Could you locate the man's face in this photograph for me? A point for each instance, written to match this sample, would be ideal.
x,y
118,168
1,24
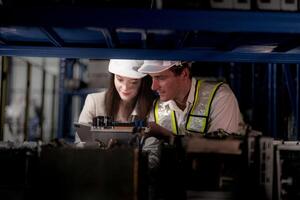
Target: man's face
x,y
166,84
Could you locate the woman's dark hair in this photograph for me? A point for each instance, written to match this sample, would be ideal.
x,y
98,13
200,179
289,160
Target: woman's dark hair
x,y
144,99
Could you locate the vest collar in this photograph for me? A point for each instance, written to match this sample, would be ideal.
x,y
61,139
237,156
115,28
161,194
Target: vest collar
x,y
190,98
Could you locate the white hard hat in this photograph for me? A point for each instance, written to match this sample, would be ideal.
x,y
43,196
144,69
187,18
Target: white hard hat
x,y
127,68
157,66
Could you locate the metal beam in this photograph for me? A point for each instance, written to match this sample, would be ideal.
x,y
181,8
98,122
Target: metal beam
x,y
53,105
27,102
61,106
2,41
52,36
297,101
110,37
64,109
3,92
42,117
287,46
290,86
272,100
235,39
182,40
180,54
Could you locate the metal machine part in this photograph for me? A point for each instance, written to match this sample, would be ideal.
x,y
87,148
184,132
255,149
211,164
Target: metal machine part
x,y
227,168
91,174
61,171
287,165
108,133
253,167
107,122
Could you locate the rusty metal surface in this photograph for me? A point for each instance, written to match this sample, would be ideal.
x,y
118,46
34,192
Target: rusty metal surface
x,y
88,173
203,145
70,173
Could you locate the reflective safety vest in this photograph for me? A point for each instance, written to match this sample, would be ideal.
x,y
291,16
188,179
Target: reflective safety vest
x,y
198,115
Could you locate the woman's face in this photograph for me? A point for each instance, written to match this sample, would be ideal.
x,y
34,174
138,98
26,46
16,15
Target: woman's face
x,y
127,88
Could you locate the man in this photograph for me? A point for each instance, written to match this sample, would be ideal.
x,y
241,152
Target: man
x,y
189,106
185,106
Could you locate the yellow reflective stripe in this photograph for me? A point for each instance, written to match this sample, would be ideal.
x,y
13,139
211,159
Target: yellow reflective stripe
x,y
195,103
211,95
156,117
173,121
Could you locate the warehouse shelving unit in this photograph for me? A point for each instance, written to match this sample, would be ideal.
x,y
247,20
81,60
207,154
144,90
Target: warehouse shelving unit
x,y
222,36
65,120
268,39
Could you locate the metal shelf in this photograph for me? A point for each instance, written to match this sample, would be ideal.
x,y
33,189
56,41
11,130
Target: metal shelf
x,y
202,35
198,35
208,20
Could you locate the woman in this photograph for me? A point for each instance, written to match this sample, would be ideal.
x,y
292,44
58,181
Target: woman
x,y
129,96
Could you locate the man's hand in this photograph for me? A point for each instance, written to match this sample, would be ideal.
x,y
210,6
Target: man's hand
x,y
160,132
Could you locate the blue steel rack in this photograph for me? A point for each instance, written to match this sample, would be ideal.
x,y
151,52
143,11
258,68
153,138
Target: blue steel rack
x,y
198,35
93,33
